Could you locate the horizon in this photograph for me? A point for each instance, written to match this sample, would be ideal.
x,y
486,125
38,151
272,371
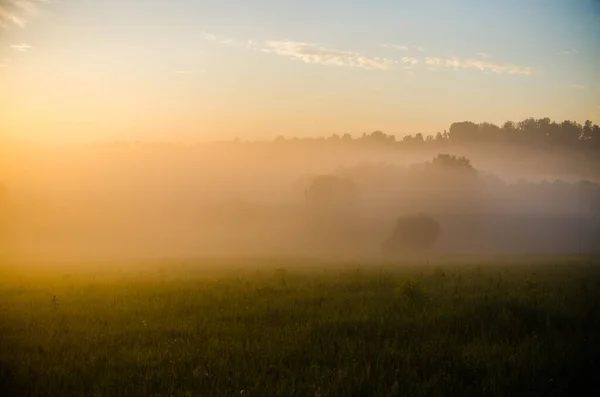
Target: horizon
x,y
398,138
197,71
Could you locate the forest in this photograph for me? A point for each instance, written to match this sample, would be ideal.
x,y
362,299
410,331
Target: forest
x,y
531,132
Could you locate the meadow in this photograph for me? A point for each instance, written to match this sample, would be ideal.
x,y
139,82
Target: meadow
x,y
460,327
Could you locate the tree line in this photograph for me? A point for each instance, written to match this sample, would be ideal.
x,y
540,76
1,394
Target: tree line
x,y
531,132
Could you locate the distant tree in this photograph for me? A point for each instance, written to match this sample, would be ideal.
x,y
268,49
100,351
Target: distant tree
x,y
489,132
378,137
588,129
412,234
450,162
463,132
334,138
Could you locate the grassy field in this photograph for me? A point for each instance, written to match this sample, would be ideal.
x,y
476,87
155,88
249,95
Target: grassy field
x,y
279,328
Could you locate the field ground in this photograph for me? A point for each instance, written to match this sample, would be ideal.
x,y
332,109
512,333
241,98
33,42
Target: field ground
x,y
528,327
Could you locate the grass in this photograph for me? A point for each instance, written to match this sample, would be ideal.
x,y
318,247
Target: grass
x,y
280,329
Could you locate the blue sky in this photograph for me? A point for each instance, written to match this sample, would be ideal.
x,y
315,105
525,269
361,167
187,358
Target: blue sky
x,y
199,69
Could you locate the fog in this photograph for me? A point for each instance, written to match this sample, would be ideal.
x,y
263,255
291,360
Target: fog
x,y
240,199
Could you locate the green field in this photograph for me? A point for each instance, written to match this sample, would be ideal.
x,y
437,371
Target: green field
x,y
526,327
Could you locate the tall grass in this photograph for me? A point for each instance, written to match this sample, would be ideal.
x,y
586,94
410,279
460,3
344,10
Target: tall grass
x,y
443,329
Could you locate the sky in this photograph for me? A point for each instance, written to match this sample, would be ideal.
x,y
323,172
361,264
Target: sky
x,y
76,71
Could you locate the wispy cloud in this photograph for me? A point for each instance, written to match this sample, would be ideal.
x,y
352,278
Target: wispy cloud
x,y
410,61
578,86
571,51
313,53
4,63
316,54
478,64
400,47
17,13
223,40
251,44
208,36
21,47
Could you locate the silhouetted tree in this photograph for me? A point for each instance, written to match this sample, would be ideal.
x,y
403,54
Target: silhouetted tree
x,y
449,162
531,132
463,132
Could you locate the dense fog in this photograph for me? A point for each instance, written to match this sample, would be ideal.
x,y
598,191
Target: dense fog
x,y
291,198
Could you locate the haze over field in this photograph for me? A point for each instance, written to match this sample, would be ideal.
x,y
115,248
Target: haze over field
x,y
299,198
289,95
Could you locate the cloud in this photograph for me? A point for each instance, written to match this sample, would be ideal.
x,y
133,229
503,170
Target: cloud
x,y
208,36
478,64
578,86
399,47
17,13
571,51
4,63
21,47
251,44
410,61
315,54
432,61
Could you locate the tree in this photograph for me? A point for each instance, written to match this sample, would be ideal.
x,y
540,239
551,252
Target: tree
x,y
334,138
489,132
412,234
586,133
378,137
463,132
347,137
449,162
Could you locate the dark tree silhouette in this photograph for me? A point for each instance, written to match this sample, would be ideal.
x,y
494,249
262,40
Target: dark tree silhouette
x,y
449,162
531,132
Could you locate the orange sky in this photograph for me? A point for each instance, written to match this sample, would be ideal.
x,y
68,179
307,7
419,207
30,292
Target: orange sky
x,y
100,71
